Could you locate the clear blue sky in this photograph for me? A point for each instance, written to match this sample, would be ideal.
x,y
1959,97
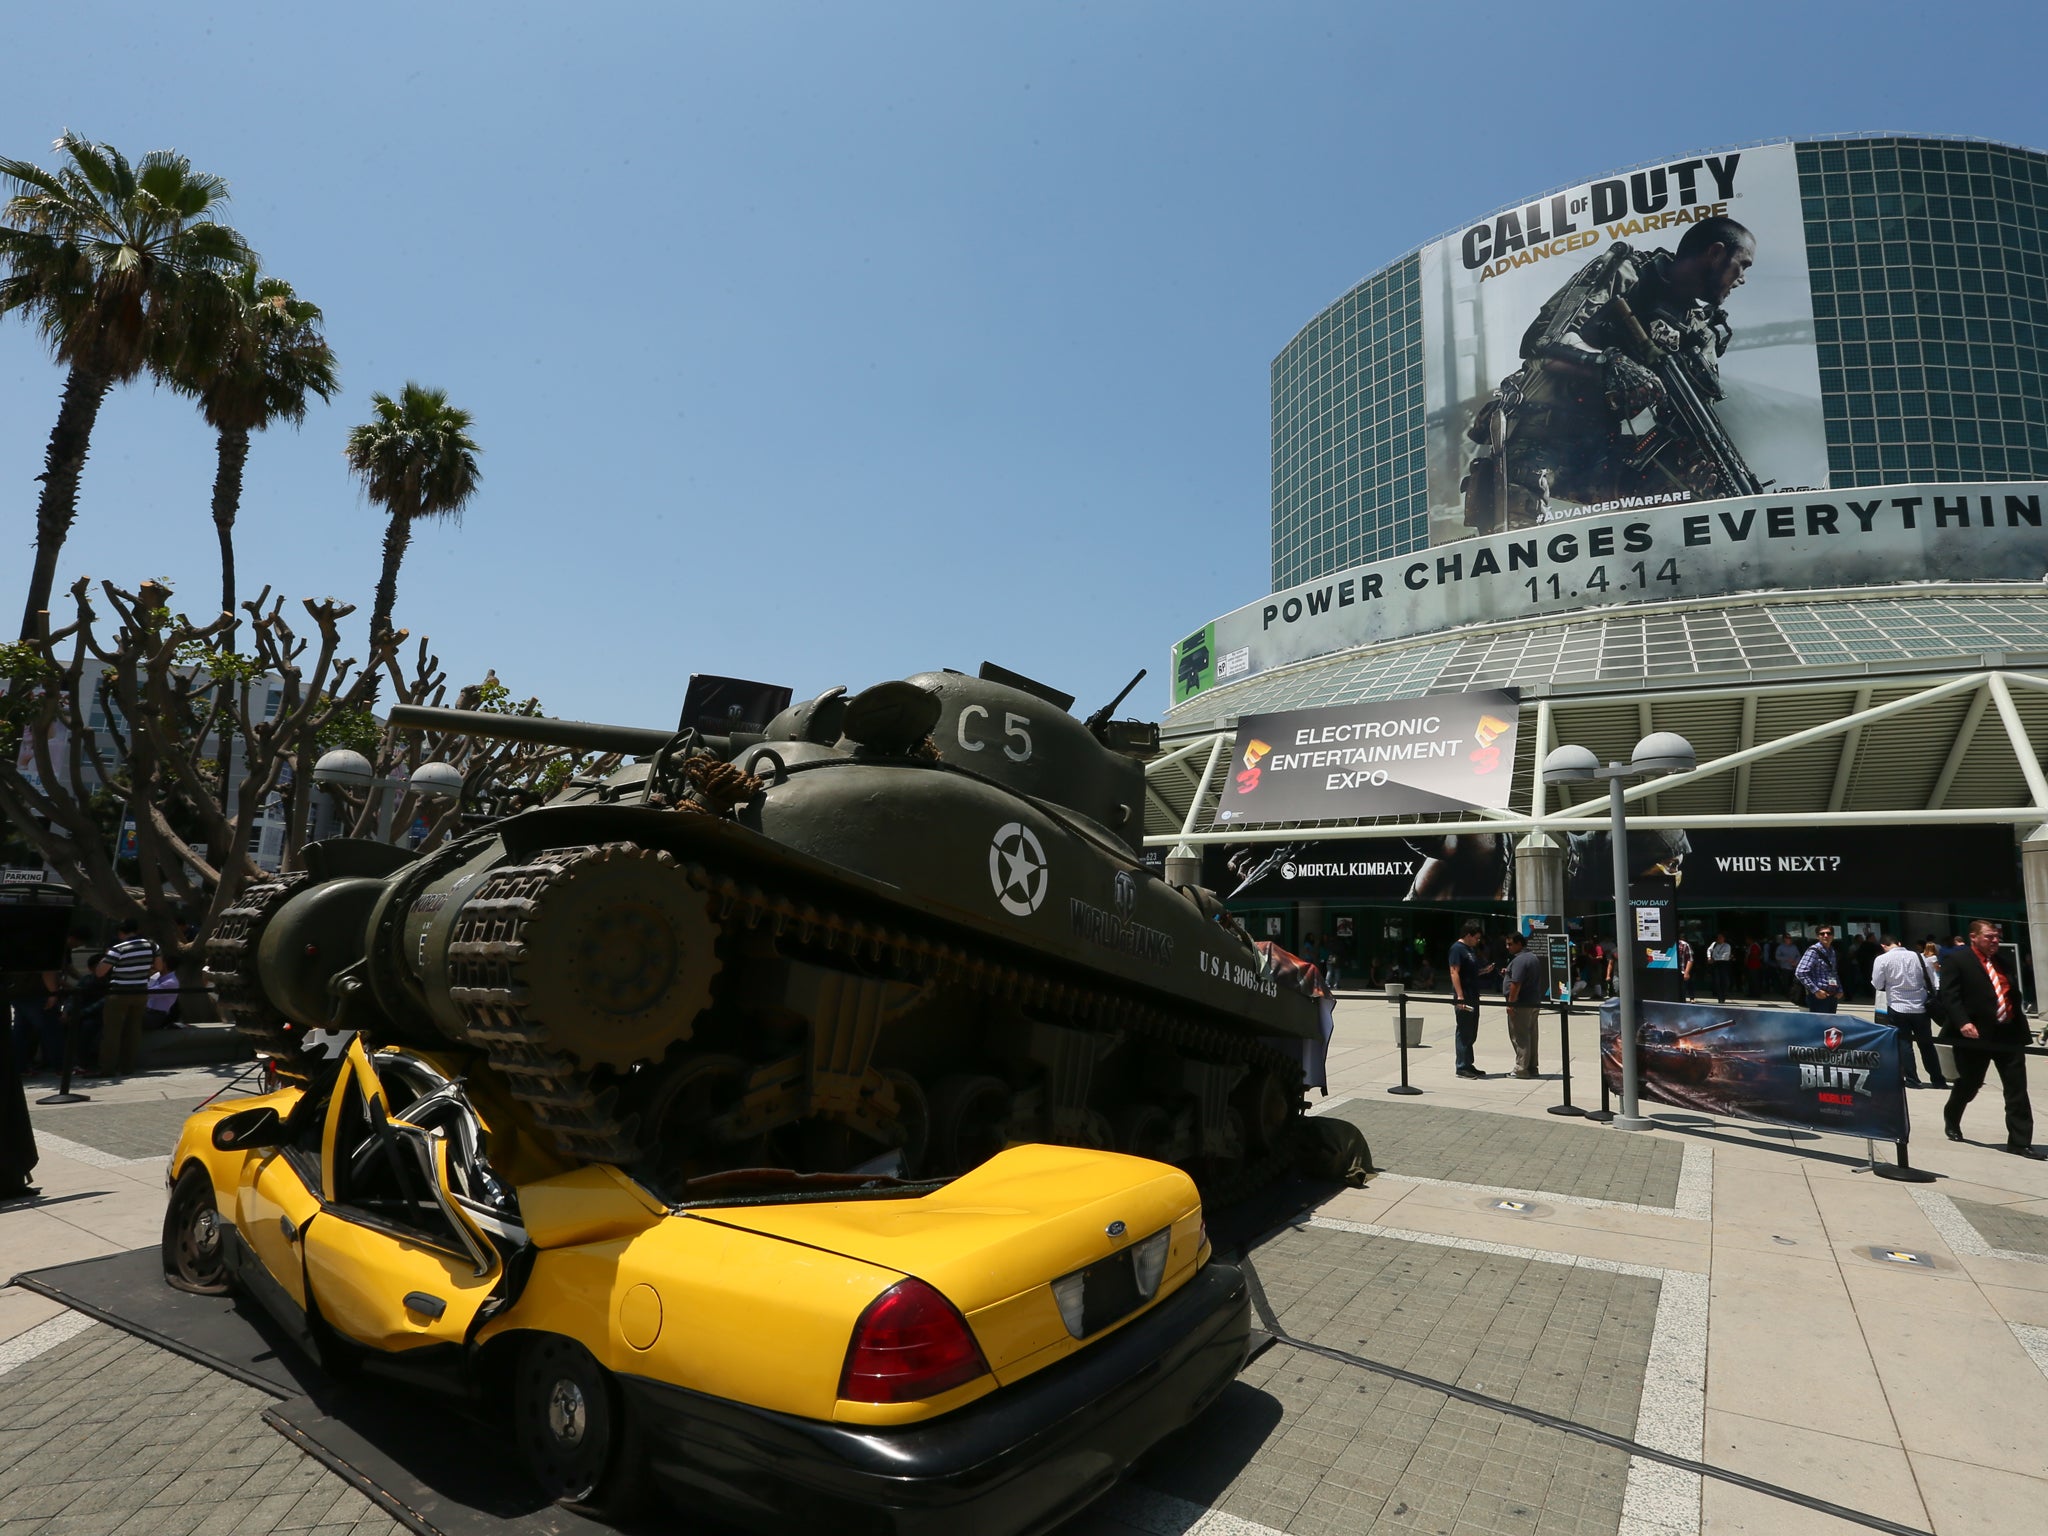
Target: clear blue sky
x,y
824,343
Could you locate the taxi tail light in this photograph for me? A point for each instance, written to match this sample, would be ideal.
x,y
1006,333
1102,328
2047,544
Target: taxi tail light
x,y
1148,1261
1071,1293
910,1344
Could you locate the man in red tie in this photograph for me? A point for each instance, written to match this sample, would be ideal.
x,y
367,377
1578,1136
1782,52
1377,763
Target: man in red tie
x,y
1979,1008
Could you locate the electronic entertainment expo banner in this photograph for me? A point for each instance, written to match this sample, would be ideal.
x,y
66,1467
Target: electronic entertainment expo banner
x,y
1779,541
1815,1071
1696,272
1445,752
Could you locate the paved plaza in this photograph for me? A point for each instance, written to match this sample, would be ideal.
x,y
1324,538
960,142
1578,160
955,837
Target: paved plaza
x,y
1719,1292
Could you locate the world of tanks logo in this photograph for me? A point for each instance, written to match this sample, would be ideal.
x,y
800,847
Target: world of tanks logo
x,y
1839,1074
1018,869
1117,930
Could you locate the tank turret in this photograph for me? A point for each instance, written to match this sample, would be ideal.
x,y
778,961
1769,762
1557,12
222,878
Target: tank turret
x,y
911,921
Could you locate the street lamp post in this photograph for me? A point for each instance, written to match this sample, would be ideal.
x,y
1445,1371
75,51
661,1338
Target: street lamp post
x,y
346,769
1655,755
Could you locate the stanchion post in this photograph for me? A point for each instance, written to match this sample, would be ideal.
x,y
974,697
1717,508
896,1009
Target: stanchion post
x,y
1565,1106
1605,1112
1398,991
64,1095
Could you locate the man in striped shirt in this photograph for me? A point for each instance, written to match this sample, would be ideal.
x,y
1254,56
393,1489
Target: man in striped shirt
x,y
126,967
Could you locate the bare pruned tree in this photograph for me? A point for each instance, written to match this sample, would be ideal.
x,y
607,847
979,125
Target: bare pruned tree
x,y
133,717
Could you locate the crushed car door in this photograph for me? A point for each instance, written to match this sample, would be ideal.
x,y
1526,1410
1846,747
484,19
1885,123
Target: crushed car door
x,y
278,1196
394,1264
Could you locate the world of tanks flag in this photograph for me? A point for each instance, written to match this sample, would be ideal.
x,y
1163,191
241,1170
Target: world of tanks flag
x,y
1444,752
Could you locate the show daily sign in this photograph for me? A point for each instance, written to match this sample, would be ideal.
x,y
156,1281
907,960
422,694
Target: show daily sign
x,y
1776,542
1449,751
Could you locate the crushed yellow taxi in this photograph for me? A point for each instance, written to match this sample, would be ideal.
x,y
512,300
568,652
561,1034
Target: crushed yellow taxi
x,y
984,1354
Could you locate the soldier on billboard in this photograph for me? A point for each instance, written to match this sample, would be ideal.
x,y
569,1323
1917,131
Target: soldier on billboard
x,y
1633,331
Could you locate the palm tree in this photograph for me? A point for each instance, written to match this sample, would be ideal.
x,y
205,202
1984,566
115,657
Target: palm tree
x,y
262,360
102,256
416,460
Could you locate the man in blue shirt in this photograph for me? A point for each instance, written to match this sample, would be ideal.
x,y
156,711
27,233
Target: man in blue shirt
x,y
1465,987
1817,973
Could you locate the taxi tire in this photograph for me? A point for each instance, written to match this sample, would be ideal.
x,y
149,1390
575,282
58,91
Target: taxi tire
x,y
194,1260
577,1435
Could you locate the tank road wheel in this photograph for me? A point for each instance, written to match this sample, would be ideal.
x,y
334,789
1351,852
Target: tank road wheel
x,y
605,954
575,1431
970,1122
1146,1130
193,1260
678,1142
914,1115
1262,1101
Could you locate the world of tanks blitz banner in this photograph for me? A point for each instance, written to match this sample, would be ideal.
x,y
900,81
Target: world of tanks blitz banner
x,y
1774,542
1642,339
1810,1071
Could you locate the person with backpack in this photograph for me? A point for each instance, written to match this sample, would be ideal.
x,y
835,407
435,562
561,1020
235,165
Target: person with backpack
x,y
1907,987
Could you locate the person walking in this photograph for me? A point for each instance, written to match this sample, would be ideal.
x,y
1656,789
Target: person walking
x,y
1752,969
1526,984
1905,988
1721,965
1592,968
126,968
1784,961
1465,968
1979,1004
1817,973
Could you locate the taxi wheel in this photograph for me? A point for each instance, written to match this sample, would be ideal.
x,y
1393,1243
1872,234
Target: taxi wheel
x,y
575,1432
193,1259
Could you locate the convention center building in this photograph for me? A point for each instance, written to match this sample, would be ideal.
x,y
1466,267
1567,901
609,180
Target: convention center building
x,y
1747,445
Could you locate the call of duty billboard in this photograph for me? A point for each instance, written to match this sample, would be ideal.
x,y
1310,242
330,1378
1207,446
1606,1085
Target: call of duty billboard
x,y
1634,341
1446,752
1815,1071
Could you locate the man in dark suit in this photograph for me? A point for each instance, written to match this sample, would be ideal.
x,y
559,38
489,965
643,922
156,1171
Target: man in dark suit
x,y
1979,1007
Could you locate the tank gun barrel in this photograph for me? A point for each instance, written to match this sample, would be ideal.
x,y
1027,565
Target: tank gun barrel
x,y
582,735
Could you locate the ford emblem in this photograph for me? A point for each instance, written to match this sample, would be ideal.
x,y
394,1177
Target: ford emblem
x,y
1116,1229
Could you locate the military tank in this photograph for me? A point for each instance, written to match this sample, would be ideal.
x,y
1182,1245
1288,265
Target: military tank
x,y
910,920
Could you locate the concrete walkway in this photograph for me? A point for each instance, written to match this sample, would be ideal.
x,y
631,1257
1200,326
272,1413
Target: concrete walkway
x,y
1706,1287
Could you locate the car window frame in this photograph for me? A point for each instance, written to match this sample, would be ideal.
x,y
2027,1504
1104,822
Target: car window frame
x,y
359,1073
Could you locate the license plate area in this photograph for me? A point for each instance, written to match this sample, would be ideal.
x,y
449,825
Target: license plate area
x,y
1109,1292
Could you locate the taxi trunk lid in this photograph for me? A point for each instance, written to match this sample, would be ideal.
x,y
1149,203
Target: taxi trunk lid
x,y
1016,1223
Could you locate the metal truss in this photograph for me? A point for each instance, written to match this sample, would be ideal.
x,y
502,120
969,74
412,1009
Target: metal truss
x,y
1916,749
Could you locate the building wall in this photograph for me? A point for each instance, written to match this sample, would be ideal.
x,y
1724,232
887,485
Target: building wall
x,y
1347,431
1927,263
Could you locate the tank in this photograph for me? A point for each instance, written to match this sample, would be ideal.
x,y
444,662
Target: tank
x,y
900,927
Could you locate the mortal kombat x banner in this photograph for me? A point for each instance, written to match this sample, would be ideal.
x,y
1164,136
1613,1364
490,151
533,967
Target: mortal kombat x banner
x,y
1814,1071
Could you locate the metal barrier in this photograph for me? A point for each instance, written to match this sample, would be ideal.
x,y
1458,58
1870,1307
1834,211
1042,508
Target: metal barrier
x,y
1397,993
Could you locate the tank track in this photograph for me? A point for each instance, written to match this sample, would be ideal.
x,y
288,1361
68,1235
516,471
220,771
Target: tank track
x,y
231,965
584,1114
489,937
